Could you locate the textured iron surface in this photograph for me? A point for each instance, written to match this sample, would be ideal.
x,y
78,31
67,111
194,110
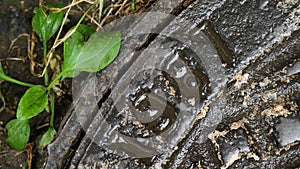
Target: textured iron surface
x,y
243,113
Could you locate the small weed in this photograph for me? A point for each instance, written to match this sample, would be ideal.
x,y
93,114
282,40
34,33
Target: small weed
x,y
84,50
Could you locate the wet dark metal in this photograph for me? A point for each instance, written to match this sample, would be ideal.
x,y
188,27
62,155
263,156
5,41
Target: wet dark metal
x,y
248,93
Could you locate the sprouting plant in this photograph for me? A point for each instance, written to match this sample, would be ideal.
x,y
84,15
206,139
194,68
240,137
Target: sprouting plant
x,y
80,54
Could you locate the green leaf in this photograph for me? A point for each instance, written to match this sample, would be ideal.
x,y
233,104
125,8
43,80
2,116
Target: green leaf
x,y
48,137
32,103
18,132
72,48
99,51
46,23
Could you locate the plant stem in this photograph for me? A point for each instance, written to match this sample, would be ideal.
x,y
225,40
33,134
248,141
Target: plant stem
x,y
19,82
58,42
100,9
46,76
83,16
55,80
132,6
52,102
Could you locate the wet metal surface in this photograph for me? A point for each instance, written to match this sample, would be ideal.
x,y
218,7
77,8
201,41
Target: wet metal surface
x,y
287,131
217,88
